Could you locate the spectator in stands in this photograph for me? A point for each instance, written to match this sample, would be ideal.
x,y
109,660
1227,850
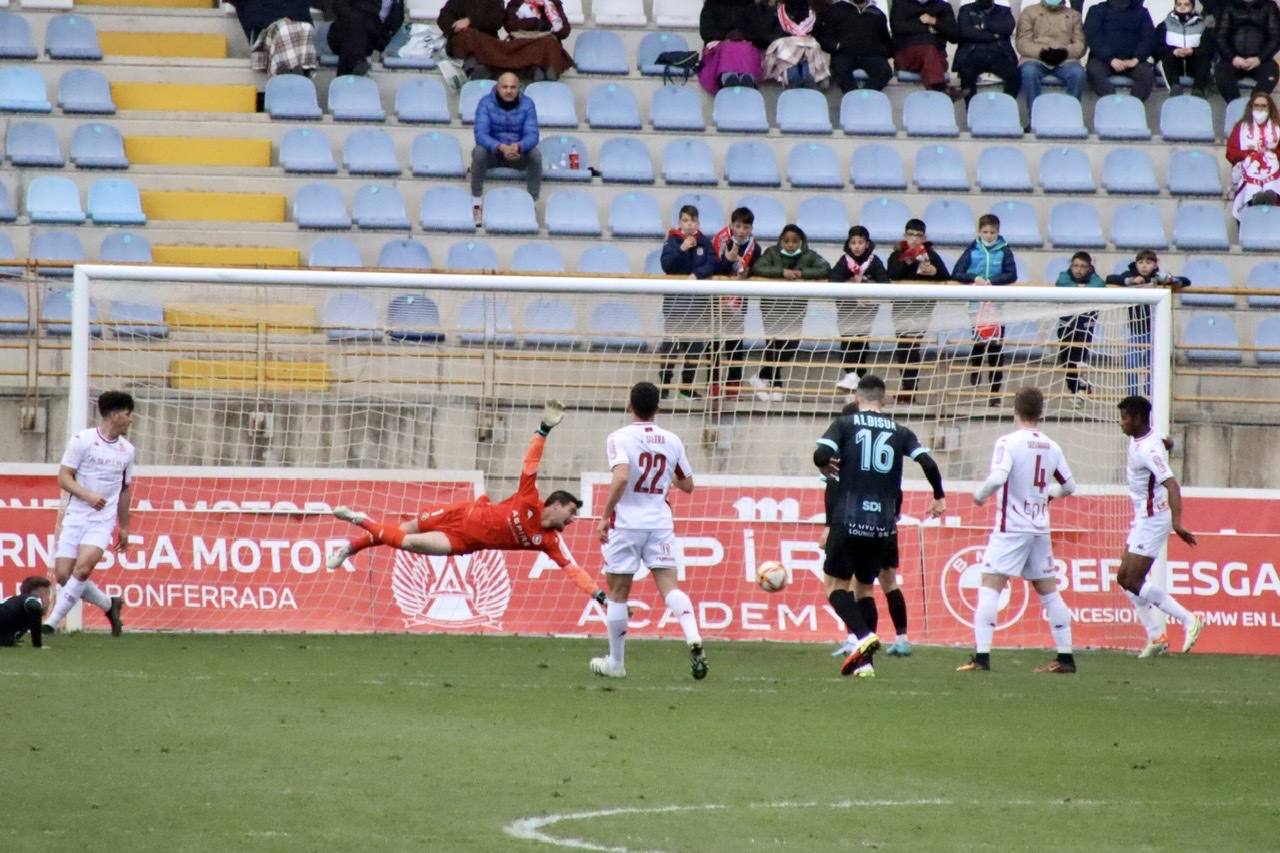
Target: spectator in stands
x,y
734,37
856,34
1050,40
791,260
736,253
1143,272
1184,46
856,265
361,27
1121,40
987,261
1248,35
1253,150
536,32
921,30
1075,331
913,260
471,30
984,46
506,132
280,34
794,59
687,252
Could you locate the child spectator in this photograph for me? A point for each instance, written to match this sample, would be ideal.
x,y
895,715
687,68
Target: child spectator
x,y
913,260
857,264
1075,332
792,260
1185,48
1143,272
736,253
988,260
687,252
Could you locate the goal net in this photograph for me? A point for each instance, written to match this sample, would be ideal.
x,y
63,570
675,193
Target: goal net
x,y
265,399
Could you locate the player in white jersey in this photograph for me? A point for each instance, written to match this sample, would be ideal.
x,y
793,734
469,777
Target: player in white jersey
x,y
1157,511
1028,469
97,474
637,529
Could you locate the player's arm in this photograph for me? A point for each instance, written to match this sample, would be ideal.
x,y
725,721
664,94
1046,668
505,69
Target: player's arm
x,y
122,516
1001,466
1064,482
683,476
551,416
1175,510
618,485
33,612
68,483
933,474
827,454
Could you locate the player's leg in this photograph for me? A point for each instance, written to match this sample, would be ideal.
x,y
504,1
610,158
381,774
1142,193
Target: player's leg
x,y
895,601
830,585
865,558
984,622
1134,569
659,555
1042,576
87,555
1145,543
837,578
621,562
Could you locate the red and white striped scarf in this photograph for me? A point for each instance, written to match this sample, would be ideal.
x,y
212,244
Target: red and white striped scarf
x,y
1265,137
542,9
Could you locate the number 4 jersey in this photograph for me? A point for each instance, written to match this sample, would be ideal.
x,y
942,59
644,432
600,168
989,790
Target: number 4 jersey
x,y
655,457
871,447
1028,461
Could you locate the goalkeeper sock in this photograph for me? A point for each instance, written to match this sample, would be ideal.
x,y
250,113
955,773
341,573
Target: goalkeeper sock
x,y
95,596
897,612
984,619
870,614
682,608
1166,602
1059,616
1148,616
615,620
70,593
847,609
383,534
357,542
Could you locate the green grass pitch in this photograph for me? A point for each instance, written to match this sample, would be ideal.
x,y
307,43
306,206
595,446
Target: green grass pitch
x,y
248,743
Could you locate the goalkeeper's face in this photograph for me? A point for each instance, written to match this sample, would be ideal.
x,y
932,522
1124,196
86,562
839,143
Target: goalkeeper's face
x,y
558,516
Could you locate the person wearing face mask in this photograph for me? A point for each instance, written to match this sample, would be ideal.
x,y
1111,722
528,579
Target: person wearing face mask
x,y
1121,40
856,34
1184,47
1253,150
1050,40
985,48
857,265
921,30
1248,36
988,260
790,260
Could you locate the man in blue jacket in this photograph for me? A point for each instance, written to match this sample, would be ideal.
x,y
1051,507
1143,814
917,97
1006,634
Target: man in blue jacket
x,y
1121,41
506,135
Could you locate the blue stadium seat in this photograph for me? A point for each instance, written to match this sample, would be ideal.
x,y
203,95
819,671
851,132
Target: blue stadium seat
x,y
305,149
71,37
820,328
324,54
379,206
1054,267
291,96
635,215
7,254
1233,114
814,164
538,257
57,246
625,160
1260,229
877,166
1265,275
508,210
803,111
604,260
1194,172
55,314
340,252
414,318
1003,168
614,326
769,213
80,90
1018,224
711,216
600,52
554,102
940,168
52,198
422,100
15,37
884,217
654,45
676,108
1057,116
1075,225
370,151
572,212
392,59
437,155
866,112
115,201
1186,118
951,223
8,212
612,106
485,320
739,110
653,263
469,98
322,206
1200,227
550,323
350,317
994,114
1207,272
447,209
32,143
1129,171
15,316
555,159
1120,117
122,247
751,164
1206,334
98,146
824,219
355,98
404,254
1267,334
1138,226
22,90
926,113
1066,170
689,161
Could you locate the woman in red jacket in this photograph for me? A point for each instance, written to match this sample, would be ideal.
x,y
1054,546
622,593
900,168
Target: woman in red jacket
x,y
1253,149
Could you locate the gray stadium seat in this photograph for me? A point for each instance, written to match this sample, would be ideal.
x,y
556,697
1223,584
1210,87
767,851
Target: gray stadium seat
x,y
538,258
1186,118
1057,116
994,115
71,37
404,254
414,318
1003,168
751,164
866,112
15,316
51,198
322,206
604,260
350,317
950,223
122,247
625,160
556,149
654,45
614,326
98,146
675,13
1233,114
15,37
306,149
1138,226
1066,170
689,161
1075,225
437,155
940,168
824,219
676,108
653,263
508,210
469,98
769,213
711,216
814,164
1120,117
877,166
446,209
22,90
1200,227
619,13
1260,229
635,214
600,52
8,213
803,111
81,90
354,98
1129,171
379,206
324,54
370,151
739,110
484,320
57,246
1267,334
291,96
554,101
884,218
1207,272
1194,172
55,314
422,99
612,106
572,212
339,252
1018,224
115,201
550,323
33,143
820,328
926,113
1264,275
1205,334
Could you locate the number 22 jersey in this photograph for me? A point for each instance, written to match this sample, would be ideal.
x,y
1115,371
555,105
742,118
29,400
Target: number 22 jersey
x,y
655,457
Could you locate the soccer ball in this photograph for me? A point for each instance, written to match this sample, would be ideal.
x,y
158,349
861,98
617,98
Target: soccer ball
x,y
772,576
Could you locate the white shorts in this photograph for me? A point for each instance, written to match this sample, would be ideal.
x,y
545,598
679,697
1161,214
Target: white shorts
x,y
629,551
1026,555
83,531
1148,535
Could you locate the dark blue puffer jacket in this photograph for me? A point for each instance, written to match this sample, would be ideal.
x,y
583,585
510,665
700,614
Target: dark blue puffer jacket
x,y
496,126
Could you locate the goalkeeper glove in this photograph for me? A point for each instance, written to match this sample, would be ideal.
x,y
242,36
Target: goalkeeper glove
x,y
600,597
551,415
